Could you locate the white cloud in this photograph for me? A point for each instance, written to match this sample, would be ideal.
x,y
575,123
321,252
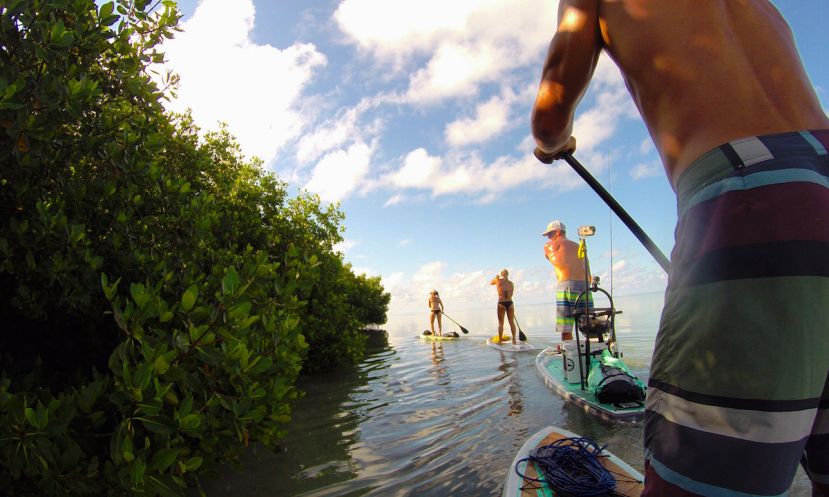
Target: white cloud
x,y
598,123
340,173
395,199
468,42
646,146
227,77
420,170
344,127
404,242
345,246
454,70
358,270
391,29
491,117
327,136
467,173
464,289
645,170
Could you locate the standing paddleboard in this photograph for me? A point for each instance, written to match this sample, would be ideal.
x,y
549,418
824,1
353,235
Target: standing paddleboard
x,y
507,345
550,365
629,482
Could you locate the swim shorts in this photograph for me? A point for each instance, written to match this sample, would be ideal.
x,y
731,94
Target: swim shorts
x,y
567,292
738,382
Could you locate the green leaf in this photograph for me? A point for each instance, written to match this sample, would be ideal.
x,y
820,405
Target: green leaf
x,y
188,300
137,472
139,295
157,424
109,291
193,463
191,421
106,10
230,283
161,365
163,459
166,316
31,417
239,311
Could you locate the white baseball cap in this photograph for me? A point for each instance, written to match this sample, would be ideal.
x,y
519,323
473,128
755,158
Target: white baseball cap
x,y
554,226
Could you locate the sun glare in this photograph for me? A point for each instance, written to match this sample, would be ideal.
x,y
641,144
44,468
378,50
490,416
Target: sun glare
x,y
572,20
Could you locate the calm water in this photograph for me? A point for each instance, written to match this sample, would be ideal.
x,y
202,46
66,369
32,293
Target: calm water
x,y
437,418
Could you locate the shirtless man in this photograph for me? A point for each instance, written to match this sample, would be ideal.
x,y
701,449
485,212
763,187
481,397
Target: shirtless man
x,y
738,389
570,278
505,288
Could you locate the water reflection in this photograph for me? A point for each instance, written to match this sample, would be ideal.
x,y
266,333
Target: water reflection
x,y
508,368
425,418
438,370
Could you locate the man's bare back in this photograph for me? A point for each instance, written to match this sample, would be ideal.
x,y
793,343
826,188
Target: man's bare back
x,y
701,72
563,254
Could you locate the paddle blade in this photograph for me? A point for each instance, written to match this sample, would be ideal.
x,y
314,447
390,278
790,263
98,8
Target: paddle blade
x,y
464,330
521,335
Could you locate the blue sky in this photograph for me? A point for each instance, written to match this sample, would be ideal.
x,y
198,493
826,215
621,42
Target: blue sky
x,y
414,115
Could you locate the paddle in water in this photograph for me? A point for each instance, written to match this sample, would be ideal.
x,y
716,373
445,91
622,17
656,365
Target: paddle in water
x,y
521,335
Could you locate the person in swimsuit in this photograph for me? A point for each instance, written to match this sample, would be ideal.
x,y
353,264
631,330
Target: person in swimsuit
x,y
436,308
562,253
738,393
505,287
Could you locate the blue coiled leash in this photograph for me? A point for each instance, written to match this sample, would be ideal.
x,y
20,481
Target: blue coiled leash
x,y
572,468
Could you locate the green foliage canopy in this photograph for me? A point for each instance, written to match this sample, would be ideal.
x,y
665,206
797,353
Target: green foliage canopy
x,y
159,294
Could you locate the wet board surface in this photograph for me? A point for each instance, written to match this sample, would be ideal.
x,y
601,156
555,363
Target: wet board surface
x,y
629,482
438,338
550,365
507,345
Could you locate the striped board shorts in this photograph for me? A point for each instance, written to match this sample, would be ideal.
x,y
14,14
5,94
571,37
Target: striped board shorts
x,y
567,292
738,390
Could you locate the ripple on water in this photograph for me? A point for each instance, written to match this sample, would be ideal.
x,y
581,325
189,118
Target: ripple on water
x,y
432,418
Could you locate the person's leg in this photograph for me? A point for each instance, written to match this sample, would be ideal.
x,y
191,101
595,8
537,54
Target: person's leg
x,y
500,323
440,324
742,354
511,318
564,311
432,321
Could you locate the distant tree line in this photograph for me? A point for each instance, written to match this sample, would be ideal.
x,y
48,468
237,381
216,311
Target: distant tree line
x,y
159,293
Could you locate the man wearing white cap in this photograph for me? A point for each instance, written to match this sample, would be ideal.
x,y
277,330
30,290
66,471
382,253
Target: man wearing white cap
x,y
570,275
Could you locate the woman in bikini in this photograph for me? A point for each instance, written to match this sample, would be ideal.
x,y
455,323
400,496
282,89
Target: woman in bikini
x,y
436,306
505,288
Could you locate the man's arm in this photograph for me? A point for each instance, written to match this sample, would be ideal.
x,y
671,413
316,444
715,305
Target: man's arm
x,y
550,252
571,60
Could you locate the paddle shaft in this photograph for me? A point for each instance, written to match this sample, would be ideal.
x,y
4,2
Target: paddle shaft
x,y
464,330
619,211
521,335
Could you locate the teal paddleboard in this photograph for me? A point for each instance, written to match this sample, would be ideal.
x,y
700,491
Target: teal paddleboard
x,y
550,365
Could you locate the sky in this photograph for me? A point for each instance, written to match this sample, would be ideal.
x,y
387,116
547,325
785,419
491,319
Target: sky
x,y
413,115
